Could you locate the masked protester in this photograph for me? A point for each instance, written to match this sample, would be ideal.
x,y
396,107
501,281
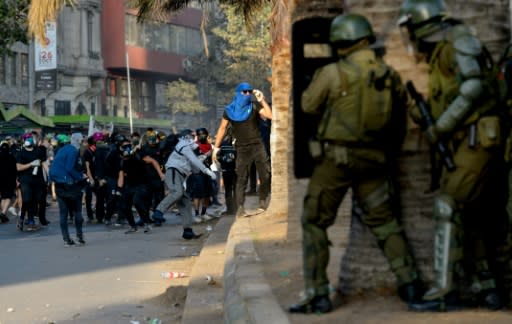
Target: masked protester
x,y
243,114
31,178
462,99
66,172
150,153
181,163
362,102
199,185
133,185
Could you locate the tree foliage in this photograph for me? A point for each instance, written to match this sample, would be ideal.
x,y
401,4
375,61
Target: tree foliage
x,y
246,52
13,23
183,97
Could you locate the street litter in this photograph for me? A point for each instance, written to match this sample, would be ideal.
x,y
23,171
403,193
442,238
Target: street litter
x,y
210,280
171,275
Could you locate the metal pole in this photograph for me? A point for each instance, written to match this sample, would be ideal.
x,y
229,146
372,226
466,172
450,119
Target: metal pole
x,y
129,93
31,74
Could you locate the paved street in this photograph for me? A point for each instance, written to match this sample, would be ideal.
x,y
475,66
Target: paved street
x,y
114,278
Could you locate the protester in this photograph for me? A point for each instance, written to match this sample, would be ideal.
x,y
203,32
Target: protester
x,y
66,172
181,163
150,153
227,160
30,176
133,185
8,173
244,115
199,184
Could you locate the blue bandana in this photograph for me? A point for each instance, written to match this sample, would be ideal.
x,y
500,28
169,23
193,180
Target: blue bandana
x,y
240,107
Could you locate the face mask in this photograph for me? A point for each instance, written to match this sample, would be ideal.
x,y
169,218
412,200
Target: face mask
x,y
29,142
126,150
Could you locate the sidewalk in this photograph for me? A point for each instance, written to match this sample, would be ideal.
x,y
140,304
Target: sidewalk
x,y
263,276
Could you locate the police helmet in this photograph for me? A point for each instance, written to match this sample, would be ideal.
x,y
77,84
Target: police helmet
x,y
422,17
349,29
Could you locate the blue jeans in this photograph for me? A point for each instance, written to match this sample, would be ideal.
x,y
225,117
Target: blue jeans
x,y
69,198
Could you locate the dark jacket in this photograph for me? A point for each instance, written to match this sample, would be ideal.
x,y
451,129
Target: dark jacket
x,y
66,165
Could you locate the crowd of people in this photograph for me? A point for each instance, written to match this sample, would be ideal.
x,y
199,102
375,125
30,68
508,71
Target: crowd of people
x,y
114,174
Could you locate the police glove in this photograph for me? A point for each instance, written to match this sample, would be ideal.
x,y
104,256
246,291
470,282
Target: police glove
x,y
35,163
210,173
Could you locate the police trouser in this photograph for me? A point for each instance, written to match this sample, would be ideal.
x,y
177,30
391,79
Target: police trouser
x,y
465,186
327,188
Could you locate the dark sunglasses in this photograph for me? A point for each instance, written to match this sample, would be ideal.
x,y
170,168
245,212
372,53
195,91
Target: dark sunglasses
x,y
246,92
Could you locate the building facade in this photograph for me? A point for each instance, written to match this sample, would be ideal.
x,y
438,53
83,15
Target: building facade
x,y
96,42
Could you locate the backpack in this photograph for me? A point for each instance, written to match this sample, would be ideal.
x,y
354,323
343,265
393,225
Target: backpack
x,y
167,146
364,107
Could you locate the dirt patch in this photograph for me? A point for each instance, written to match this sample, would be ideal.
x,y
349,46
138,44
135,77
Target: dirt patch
x,y
282,262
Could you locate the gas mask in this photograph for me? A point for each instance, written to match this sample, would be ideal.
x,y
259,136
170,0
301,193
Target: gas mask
x,y
29,142
126,150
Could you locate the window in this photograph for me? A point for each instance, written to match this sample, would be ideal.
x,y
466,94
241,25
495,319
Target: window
x,y
145,95
91,48
14,65
93,108
62,108
111,87
162,37
2,69
24,69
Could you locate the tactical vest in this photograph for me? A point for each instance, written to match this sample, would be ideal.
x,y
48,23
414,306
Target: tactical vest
x,y
361,100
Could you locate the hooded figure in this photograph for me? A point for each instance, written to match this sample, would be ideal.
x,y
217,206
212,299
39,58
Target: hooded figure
x,y
240,107
76,139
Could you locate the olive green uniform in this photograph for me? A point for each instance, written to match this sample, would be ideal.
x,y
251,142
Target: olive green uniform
x,y
356,137
461,100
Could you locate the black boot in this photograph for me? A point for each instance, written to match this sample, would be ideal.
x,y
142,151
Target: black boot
x,y
318,304
188,234
447,303
490,299
411,292
3,218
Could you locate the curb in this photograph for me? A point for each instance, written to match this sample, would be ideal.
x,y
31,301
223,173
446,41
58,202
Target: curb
x,y
204,303
247,296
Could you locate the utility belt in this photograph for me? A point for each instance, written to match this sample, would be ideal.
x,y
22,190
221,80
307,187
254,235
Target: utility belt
x,y
343,153
486,131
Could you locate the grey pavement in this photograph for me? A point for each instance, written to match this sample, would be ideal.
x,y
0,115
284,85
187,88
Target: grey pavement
x,y
114,278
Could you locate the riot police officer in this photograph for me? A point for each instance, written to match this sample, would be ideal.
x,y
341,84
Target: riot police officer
x,y
362,104
463,104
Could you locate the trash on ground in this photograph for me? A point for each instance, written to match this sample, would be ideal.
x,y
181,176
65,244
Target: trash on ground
x,y
173,274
